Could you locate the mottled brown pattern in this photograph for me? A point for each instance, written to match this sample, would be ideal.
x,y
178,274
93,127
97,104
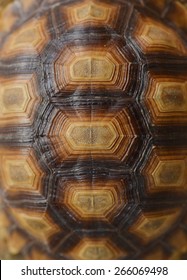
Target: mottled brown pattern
x,y
93,129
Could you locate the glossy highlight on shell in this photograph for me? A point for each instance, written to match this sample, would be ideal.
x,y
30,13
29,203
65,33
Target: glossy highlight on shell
x,y
93,129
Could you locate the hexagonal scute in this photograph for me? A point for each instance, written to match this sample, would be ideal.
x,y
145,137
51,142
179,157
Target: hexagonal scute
x,y
99,67
30,38
92,13
95,249
177,14
166,170
37,253
39,224
151,225
83,134
5,225
16,242
180,246
7,12
159,5
153,36
20,171
93,118
30,5
101,200
19,100
166,99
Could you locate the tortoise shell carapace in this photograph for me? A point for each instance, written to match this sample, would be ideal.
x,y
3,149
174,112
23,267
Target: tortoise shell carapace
x,y
93,129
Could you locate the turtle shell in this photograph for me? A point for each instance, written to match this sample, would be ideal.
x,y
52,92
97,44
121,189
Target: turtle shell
x,y
93,129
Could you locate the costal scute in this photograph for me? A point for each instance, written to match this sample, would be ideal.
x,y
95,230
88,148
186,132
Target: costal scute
x,y
93,129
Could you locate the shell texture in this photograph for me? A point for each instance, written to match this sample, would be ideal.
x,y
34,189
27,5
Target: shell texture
x,y
93,129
